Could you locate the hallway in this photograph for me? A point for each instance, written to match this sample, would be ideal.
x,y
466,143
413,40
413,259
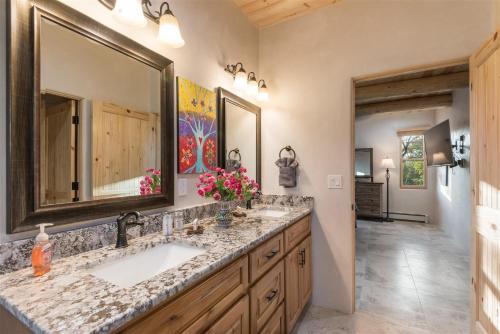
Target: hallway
x,y
410,278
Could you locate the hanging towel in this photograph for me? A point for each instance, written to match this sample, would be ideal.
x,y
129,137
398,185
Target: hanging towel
x,y
288,172
232,164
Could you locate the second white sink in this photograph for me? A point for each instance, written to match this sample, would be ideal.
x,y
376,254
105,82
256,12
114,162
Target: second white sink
x,y
272,213
133,269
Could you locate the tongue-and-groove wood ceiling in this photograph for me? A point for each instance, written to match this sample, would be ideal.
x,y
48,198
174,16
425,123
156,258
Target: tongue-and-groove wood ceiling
x,y
264,13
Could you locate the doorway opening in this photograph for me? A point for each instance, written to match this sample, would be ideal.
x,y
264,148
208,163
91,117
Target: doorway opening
x,y
59,120
412,217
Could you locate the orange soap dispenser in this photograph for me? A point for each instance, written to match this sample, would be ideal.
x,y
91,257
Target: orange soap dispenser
x,y
41,257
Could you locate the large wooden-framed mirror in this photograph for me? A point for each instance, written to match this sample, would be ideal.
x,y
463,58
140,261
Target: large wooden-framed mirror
x,y
239,131
90,119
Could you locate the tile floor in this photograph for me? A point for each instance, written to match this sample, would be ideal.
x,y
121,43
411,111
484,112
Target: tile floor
x,y
410,278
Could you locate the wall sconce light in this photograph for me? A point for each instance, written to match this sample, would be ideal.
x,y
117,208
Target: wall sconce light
x,y
135,12
252,86
239,74
248,82
263,93
130,12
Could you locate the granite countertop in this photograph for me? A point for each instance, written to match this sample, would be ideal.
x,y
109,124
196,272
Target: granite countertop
x,y
70,300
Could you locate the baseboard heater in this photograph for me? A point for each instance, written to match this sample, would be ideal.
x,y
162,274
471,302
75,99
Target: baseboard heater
x,y
408,217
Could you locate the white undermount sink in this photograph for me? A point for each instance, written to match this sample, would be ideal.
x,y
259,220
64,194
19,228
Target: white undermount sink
x,y
272,213
130,270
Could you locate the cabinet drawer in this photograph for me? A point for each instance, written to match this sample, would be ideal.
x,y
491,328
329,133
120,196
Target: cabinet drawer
x,y
265,297
265,256
235,321
277,324
297,232
203,303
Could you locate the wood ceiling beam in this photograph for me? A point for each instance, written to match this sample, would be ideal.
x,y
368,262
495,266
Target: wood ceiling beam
x,y
414,103
411,88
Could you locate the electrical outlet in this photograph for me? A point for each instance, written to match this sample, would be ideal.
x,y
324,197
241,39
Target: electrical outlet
x,y
182,187
334,182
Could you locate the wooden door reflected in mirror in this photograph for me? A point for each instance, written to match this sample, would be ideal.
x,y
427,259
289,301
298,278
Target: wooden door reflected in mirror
x,y
99,121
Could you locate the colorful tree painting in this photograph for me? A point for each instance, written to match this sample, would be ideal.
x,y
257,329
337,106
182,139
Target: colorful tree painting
x,y
197,128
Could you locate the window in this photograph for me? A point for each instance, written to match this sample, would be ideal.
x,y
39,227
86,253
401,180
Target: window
x,y
413,164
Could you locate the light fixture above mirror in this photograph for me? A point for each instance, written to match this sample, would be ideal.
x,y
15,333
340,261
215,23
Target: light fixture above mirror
x,y
252,86
135,12
249,83
263,94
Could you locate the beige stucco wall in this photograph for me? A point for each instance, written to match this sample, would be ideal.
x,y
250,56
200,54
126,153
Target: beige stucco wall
x,y
309,63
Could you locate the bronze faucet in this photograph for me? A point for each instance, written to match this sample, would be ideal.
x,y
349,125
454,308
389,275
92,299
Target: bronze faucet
x,y
122,222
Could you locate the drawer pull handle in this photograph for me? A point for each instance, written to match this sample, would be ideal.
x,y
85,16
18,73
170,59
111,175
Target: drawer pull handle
x,y
271,296
302,257
272,254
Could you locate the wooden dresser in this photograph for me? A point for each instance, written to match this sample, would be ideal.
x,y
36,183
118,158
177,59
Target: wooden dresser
x,y
369,199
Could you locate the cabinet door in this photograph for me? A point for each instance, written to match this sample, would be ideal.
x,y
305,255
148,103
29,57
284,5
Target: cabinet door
x,y
305,272
292,286
276,325
235,321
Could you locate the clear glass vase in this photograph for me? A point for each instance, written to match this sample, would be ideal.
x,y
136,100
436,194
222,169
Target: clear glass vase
x,y
224,217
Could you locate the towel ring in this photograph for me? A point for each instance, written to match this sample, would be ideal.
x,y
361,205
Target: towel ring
x,y
236,152
288,148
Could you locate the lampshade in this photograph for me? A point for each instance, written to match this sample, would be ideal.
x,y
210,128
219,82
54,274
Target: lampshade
x,y
169,31
252,86
240,79
130,12
263,94
387,163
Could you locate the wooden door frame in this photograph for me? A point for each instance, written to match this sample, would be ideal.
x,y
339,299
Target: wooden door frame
x,y
382,75
477,59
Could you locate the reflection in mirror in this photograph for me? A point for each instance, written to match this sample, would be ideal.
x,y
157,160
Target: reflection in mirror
x,y
364,162
241,134
99,121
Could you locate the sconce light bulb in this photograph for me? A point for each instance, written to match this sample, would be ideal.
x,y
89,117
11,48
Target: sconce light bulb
x,y
240,79
169,31
130,12
263,93
253,87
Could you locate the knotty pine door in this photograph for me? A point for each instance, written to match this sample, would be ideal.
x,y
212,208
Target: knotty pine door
x,y
485,174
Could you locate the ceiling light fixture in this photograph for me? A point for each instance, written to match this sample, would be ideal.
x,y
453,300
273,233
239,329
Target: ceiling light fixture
x,y
242,81
135,12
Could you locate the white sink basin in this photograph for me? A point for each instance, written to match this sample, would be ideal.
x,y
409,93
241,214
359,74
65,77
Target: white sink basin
x,y
133,269
272,213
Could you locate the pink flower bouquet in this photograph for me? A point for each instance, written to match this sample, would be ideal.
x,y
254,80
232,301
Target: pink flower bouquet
x,y
151,184
227,186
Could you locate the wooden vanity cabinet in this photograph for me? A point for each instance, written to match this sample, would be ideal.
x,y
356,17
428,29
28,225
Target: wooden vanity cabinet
x,y
298,281
262,292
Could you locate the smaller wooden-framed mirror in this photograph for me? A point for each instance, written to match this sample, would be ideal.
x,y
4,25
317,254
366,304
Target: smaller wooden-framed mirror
x,y
239,132
364,164
90,114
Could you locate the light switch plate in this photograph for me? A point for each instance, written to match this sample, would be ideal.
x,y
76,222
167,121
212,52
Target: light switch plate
x,y
334,182
182,187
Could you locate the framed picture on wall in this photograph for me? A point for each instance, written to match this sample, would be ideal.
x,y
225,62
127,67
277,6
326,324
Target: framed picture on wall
x,y
196,128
